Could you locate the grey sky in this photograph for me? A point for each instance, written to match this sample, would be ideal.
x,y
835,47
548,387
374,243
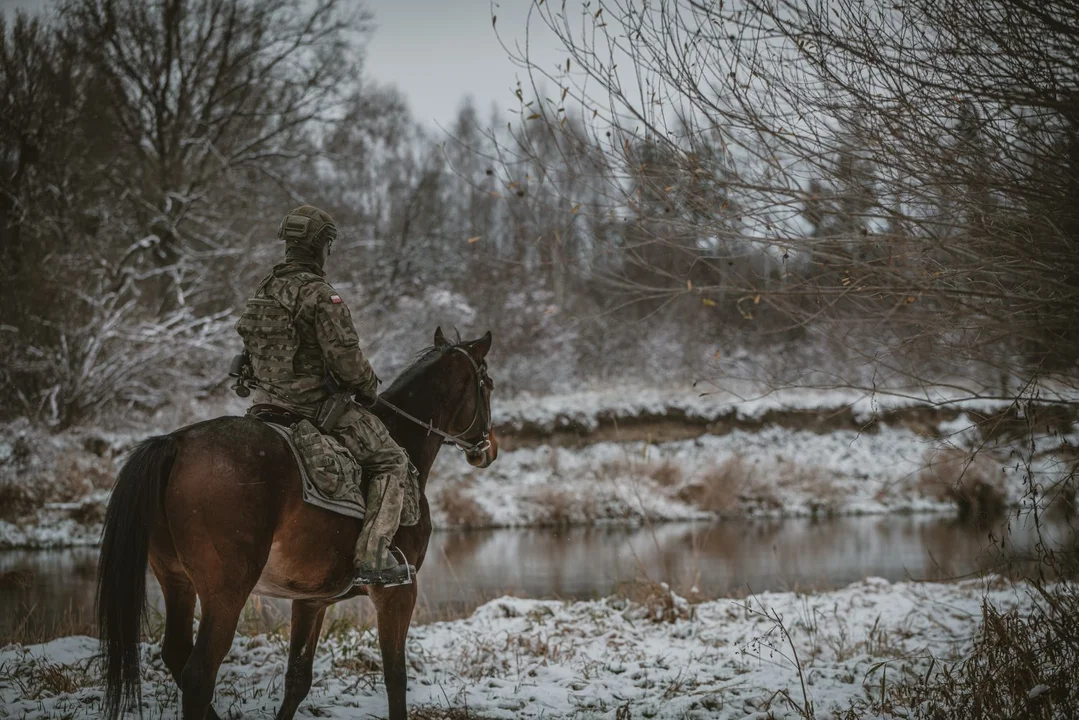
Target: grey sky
x,y
439,51
10,6
436,51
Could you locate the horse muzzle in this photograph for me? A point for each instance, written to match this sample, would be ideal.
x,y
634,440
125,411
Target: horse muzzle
x,y
484,456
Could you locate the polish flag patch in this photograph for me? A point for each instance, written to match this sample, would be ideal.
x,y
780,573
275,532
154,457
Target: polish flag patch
x,y
336,299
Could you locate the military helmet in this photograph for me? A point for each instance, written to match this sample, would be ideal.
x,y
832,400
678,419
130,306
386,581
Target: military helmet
x,y
308,226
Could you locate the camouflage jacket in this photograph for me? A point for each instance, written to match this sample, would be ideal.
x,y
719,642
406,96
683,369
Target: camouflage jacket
x,y
298,333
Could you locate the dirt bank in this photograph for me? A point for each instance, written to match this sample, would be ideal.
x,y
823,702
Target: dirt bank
x,y
677,423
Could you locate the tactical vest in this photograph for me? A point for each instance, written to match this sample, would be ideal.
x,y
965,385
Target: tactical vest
x,y
268,329
270,338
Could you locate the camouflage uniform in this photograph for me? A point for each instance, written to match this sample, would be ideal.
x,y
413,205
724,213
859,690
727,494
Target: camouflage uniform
x,y
298,333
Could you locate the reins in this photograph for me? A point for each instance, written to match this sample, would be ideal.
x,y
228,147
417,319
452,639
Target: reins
x,y
455,440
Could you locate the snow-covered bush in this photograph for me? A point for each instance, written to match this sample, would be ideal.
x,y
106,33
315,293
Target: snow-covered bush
x,y
115,360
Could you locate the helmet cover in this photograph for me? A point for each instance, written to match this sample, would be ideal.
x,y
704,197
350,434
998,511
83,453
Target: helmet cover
x,y
308,226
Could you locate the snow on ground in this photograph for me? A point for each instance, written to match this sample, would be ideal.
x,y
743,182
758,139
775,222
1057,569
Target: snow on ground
x,y
659,656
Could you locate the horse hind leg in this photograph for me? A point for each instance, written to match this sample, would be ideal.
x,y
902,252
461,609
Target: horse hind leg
x,y
199,676
178,642
176,645
307,620
222,597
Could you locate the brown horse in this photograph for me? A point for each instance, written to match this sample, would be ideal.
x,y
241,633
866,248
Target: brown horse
x,y
216,509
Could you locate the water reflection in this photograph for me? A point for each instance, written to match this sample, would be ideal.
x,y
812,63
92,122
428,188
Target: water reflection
x,y
464,570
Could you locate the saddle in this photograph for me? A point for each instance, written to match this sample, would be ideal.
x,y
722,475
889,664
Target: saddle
x,y
270,413
331,477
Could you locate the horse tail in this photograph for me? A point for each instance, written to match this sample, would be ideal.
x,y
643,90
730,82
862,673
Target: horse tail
x,y
121,574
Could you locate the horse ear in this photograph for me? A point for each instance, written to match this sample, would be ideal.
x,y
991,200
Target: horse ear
x,y
482,346
440,339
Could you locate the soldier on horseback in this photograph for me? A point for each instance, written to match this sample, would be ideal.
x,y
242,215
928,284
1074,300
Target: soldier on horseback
x,y
305,356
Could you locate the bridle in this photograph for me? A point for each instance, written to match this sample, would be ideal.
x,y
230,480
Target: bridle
x,y
458,441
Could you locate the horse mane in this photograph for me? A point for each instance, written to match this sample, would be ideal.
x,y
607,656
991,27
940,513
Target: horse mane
x,y
422,361
425,358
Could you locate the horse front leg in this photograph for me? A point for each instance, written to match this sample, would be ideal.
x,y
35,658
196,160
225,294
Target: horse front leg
x,y
393,608
307,620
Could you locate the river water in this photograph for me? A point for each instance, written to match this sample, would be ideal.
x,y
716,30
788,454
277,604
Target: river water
x,y
54,589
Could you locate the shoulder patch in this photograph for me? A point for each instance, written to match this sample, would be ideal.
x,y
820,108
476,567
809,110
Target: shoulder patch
x,y
336,299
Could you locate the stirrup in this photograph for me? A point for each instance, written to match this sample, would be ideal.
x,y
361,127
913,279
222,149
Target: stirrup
x,y
403,574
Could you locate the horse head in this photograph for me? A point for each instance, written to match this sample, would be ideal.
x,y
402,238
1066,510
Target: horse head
x,y
471,386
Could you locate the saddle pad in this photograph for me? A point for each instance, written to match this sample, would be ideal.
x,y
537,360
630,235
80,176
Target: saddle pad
x,y
311,492
356,507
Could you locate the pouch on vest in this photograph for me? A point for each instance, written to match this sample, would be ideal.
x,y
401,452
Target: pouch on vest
x,y
270,338
329,465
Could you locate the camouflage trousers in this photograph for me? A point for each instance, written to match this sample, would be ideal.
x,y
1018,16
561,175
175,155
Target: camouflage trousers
x,y
385,465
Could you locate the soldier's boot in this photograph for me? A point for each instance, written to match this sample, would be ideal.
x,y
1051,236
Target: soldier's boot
x,y
375,560
382,568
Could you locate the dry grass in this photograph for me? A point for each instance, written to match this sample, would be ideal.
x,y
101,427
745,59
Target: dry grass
x,y
263,618
825,495
430,712
34,625
654,601
460,509
1024,662
18,501
665,474
77,474
1021,667
973,482
41,679
559,508
357,661
719,489
545,646
735,487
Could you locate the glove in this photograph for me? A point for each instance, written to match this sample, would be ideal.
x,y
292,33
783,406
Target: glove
x,y
367,401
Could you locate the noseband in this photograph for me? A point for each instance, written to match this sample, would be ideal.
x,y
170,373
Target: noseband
x,y
458,440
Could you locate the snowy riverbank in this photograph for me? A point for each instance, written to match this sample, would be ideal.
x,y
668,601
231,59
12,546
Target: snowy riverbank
x,y
772,472
656,654
600,458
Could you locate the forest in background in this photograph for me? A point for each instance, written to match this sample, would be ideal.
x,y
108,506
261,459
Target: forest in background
x,y
775,191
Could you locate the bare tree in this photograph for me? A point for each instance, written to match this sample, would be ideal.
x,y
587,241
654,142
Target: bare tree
x,y
210,99
143,144
898,180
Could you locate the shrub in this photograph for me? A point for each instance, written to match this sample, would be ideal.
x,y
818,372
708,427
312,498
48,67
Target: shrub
x,y
17,501
972,481
719,489
460,508
1024,664
666,474
558,507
